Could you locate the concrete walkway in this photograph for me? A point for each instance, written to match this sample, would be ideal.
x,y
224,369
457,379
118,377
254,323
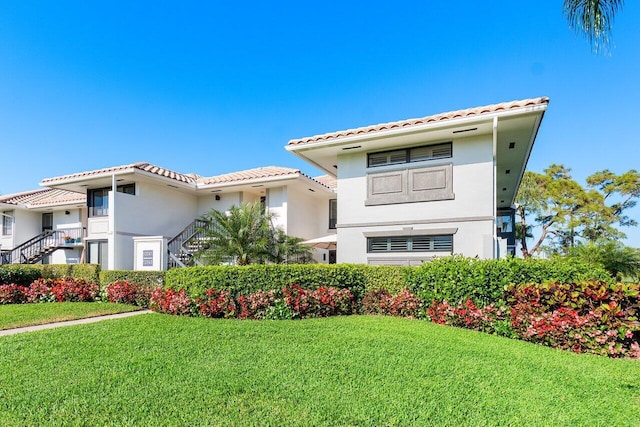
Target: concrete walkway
x,y
71,322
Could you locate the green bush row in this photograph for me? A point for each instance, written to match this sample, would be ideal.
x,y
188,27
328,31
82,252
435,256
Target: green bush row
x,y
144,278
19,274
244,280
451,278
24,275
458,278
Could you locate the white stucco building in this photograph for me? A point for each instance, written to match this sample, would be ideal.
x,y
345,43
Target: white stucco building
x,y
434,186
396,193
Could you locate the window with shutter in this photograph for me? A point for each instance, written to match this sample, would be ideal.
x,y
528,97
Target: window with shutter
x,y
408,155
439,243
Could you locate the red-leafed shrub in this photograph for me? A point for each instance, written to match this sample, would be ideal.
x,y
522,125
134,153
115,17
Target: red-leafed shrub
x,y
13,294
127,293
330,301
171,302
467,315
256,305
40,291
376,302
217,304
403,304
298,300
593,317
74,290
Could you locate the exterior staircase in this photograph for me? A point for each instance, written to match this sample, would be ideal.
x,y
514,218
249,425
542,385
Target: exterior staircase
x,y
182,247
36,248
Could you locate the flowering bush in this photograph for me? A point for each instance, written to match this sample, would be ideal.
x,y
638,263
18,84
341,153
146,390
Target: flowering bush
x,y
217,304
171,302
13,294
127,293
467,315
256,305
403,304
74,290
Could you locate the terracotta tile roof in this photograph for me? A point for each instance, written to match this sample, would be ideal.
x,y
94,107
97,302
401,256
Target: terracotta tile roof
x,y
327,181
143,166
251,174
469,112
44,197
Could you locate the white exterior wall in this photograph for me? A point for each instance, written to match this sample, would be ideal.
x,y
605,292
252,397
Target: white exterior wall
x,y
277,205
470,211
154,211
208,202
62,221
308,216
26,225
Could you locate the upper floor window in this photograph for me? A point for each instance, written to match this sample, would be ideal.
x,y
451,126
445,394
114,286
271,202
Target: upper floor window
x,y
99,199
333,213
409,155
7,223
438,243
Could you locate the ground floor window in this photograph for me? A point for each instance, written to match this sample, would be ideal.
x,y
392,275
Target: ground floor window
x,y
437,243
98,253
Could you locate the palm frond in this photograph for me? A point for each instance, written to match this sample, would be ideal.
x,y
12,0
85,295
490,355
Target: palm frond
x,y
593,19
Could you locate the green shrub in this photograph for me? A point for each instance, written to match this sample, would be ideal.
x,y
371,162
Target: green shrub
x,y
142,278
458,278
19,274
87,272
244,280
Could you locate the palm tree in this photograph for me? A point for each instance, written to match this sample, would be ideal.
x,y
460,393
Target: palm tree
x,y
246,235
240,237
594,19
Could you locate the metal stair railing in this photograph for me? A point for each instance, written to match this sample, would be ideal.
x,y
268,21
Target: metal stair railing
x,y
34,249
182,247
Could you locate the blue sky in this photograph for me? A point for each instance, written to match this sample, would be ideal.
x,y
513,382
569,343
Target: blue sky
x,y
213,88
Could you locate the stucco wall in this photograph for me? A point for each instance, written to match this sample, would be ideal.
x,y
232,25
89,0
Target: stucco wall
x,y
277,200
208,202
471,209
470,239
153,211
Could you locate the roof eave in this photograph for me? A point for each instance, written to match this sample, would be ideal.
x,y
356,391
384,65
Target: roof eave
x,y
464,121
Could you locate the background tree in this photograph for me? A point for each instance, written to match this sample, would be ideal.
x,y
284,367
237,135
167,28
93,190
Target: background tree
x,y
593,19
246,235
568,213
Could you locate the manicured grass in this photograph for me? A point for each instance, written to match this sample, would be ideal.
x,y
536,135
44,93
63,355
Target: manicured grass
x,y
19,315
163,370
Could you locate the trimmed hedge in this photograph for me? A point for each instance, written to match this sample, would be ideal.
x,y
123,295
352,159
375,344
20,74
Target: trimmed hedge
x,y
87,272
244,280
451,278
457,278
143,278
24,275
19,274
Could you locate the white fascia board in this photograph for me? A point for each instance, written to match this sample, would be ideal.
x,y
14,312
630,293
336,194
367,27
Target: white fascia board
x,y
164,179
415,129
78,179
244,182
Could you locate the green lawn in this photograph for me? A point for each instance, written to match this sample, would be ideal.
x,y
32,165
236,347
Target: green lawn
x,y
19,315
163,370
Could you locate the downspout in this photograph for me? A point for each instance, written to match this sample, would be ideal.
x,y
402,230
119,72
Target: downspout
x,y
495,185
111,262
